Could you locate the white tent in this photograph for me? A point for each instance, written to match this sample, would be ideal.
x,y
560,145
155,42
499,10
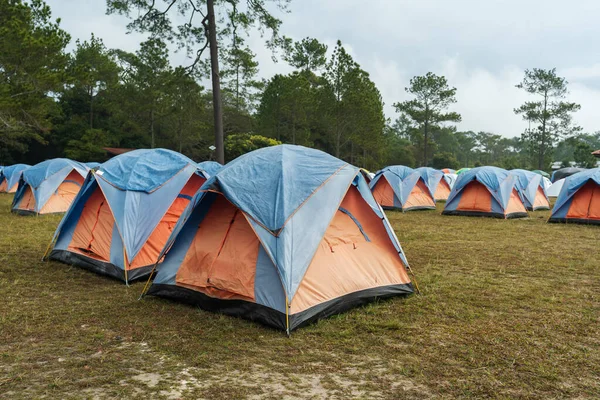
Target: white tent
x,y
555,188
546,182
450,179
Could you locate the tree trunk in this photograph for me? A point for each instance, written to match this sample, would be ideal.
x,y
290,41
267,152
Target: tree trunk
x,y
92,108
152,128
425,133
216,82
542,151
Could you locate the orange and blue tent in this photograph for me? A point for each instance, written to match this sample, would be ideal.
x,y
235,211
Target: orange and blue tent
x,y
438,182
531,189
9,177
283,235
579,199
126,211
49,187
485,191
401,188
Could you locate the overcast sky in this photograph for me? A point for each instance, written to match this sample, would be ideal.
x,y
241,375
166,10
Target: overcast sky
x,y
481,46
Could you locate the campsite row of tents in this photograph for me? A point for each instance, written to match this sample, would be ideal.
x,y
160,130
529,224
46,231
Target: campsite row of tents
x,y
283,235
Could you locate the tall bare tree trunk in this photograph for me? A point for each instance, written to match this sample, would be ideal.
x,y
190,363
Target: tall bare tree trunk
x,y
216,82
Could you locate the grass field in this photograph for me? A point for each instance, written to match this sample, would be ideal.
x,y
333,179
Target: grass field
x,y
509,309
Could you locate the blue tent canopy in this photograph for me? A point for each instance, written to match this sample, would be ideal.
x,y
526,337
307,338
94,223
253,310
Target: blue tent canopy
x,y
210,167
12,174
143,170
34,176
432,177
92,164
269,184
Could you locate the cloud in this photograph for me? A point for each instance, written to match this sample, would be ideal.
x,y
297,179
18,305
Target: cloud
x,y
482,47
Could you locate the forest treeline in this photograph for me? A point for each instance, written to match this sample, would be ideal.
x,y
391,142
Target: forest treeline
x,y
55,103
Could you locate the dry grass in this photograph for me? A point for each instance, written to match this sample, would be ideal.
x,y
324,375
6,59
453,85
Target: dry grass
x,y
509,309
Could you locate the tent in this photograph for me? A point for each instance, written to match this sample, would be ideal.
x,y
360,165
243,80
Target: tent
x,y
210,167
49,187
124,215
546,183
564,172
462,170
437,185
283,235
401,188
448,171
9,177
555,188
485,191
579,199
531,189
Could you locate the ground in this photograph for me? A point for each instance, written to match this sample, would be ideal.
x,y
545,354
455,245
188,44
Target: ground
x,y
508,309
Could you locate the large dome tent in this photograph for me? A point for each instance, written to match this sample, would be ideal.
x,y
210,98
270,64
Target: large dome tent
x,y
283,235
485,191
565,172
398,187
49,187
124,215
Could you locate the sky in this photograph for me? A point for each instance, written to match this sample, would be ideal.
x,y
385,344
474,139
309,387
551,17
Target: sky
x,y
481,46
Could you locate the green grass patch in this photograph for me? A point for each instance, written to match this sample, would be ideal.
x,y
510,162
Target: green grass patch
x,y
509,309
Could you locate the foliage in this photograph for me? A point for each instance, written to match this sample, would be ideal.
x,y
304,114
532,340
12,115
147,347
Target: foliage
x,y
308,54
242,143
445,160
551,115
32,70
433,96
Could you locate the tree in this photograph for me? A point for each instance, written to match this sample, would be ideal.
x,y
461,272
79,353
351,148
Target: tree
x,y
307,54
192,24
92,70
239,144
445,160
551,115
466,143
583,155
433,96
32,70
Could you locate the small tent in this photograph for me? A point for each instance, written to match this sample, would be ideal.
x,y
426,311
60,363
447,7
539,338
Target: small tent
x,y
531,189
565,172
124,215
401,188
579,199
283,235
49,187
9,177
462,170
437,185
448,171
485,191
555,188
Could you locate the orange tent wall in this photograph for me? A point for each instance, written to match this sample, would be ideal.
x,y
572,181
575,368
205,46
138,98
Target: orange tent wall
x,y
61,199
93,233
540,200
442,191
586,203
515,205
221,260
4,186
27,203
345,262
475,197
419,197
383,193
